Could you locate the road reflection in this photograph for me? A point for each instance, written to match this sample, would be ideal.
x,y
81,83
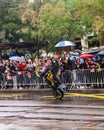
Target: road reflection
x,y
29,111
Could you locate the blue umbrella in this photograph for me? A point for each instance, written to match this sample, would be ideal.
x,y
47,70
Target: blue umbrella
x,y
81,60
65,44
77,57
71,57
96,57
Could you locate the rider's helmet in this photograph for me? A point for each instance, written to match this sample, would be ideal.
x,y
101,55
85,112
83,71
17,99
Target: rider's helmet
x,y
54,61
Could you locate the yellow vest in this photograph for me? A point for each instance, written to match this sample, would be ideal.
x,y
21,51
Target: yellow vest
x,y
99,68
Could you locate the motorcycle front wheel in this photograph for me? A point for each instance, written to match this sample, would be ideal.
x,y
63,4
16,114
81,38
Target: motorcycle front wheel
x,y
58,94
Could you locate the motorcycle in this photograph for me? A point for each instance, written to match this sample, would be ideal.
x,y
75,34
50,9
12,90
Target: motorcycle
x,y
58,92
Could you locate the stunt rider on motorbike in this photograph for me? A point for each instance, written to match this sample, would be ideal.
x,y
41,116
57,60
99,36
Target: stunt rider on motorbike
x,y
52,64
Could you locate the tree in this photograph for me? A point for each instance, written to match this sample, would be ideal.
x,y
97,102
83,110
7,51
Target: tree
x,y
54,22
91,15
87,17
98,24
48,22
10,23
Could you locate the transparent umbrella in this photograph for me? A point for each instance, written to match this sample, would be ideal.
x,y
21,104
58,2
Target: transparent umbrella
x,y
17,58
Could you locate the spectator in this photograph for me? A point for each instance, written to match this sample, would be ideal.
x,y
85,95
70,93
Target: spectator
x,y
22,66
74,68
30,68
13,73
2,70
13,53
4,56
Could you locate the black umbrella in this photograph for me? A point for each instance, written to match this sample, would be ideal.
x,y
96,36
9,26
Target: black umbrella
x,y
77,51
101,52
93,50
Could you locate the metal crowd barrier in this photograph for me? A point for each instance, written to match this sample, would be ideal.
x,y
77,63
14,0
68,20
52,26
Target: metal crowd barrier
x,y
87,78
90,78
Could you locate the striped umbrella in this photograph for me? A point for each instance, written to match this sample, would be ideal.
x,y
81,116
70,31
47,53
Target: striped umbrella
x,y
65,44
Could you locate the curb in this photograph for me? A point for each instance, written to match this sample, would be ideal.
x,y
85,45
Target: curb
x,y
44,91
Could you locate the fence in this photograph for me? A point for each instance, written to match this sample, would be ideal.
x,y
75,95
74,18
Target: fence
x,y
90,78
73,79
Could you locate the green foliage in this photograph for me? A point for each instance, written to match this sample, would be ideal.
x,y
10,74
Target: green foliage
x,y
10,22
91,15
51,20
54,21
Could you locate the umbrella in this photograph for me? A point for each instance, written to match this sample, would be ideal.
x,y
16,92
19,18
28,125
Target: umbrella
x,y
101,47
77,57
93,50
96,57
72,56
77,51
85,56
101,52
65,44
17,58
81,60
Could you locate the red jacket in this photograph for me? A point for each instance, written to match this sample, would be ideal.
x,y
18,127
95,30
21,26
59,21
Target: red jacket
x,y
22,67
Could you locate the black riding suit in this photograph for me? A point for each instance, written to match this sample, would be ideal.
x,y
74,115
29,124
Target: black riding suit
x,y
54,69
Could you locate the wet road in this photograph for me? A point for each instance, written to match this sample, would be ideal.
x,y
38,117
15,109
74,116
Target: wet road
x,y
30,112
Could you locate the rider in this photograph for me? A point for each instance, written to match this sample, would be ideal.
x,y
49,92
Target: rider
x,y
52,64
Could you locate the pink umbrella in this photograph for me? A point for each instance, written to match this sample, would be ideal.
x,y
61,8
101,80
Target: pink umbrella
x,y
86,56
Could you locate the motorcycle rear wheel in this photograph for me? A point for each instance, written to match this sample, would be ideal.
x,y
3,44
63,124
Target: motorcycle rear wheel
x,y
58,94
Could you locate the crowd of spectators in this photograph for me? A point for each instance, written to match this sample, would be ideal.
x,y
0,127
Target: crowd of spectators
x,y
24,74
